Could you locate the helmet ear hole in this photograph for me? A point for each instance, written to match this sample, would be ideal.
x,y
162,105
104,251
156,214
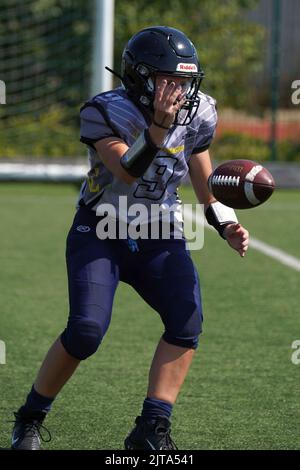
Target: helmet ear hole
x,y
143,71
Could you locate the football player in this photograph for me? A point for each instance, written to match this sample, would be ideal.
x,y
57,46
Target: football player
x,y
143,138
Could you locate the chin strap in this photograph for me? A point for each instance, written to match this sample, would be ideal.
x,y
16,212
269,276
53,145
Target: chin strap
x,y
219,216
114,73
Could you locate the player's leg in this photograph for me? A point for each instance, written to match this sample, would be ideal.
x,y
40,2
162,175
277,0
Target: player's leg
x,y
169,283
57,368
181,312
168,370
93,275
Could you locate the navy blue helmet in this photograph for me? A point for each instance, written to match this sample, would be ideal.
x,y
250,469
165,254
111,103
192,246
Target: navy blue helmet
x,y
160,50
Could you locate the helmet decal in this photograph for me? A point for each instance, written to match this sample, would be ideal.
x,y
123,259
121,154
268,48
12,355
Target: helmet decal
x,y
186,68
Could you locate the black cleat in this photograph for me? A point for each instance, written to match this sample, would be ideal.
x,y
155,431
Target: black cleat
x,y
150,436
26,433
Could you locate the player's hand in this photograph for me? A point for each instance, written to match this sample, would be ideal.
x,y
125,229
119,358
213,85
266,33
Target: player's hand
x,y
168,100
237,237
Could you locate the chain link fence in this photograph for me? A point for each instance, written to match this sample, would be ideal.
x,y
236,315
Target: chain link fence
x,y
45,75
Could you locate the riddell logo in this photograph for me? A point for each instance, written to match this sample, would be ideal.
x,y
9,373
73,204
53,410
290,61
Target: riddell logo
x,y
186,68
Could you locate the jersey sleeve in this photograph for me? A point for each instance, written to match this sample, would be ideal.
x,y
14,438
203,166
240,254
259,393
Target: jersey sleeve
x,y
207,127
93,125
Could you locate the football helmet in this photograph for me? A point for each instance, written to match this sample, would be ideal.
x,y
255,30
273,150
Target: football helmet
x,y
160,50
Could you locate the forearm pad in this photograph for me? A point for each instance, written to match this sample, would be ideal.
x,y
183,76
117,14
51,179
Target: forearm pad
x,y
140,155
219,216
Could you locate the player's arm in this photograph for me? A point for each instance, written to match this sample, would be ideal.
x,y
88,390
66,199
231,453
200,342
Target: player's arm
x,y
110,152
237,236
117,156
129,163
200,168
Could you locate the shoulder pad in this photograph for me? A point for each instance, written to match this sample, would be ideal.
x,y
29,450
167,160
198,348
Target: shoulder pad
x,y
207,98
108,96
111,96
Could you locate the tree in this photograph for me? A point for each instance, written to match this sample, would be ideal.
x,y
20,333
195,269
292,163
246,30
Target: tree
x,y
229,45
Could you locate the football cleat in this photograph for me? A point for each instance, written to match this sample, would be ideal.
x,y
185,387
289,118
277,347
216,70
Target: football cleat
x,y
26,433
149,435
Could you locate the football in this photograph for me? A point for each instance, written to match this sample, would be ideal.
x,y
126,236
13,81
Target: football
x,y
241,184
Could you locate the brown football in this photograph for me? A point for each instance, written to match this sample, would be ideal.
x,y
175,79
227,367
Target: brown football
x,y
241,184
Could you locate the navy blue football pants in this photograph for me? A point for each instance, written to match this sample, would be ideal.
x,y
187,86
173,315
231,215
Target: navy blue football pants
x,y
161,271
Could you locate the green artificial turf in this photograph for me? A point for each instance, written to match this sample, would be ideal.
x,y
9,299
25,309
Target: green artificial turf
x,y
242,391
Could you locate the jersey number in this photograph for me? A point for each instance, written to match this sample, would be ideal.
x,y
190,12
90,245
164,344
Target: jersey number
x,y
155,181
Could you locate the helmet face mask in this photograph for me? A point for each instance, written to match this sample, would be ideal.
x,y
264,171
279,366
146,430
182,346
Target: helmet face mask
x,y
161,51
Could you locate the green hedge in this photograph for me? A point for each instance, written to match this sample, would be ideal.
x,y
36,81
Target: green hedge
x,y
54,133
232,145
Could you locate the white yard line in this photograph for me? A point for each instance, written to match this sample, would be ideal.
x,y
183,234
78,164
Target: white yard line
x,y
275,253
268,250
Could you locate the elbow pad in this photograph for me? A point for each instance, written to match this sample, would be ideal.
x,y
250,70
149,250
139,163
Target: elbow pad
x,y
219,216
140,155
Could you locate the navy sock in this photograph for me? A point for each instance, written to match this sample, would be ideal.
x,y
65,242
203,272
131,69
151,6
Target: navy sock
x,y
153,407
37,402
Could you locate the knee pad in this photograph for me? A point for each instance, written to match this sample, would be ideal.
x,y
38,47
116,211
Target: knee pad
x,y
185,325
81,338
191,342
